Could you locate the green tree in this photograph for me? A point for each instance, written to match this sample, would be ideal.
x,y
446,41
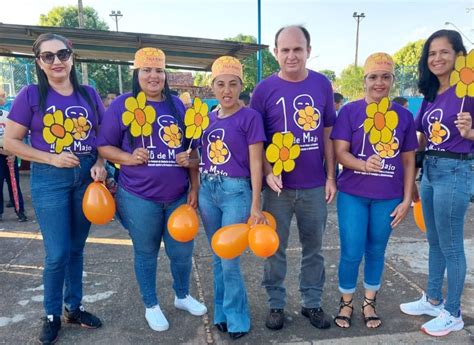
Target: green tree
x,y
68,16
202,79
406,67
104,76
269,64
331,75
351,82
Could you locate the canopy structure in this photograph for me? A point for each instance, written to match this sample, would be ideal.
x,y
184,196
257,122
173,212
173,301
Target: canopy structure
x,y
119,47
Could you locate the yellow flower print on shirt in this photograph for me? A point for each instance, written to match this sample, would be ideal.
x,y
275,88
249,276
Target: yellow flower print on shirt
x,y
80,127
139,116
380,122
387,150
172,135
463,75
308,118
218,152
282,152
57,130
437,133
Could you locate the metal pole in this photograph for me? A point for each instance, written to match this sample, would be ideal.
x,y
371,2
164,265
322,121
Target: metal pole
x,y
259,41
358,17
117,15
85,74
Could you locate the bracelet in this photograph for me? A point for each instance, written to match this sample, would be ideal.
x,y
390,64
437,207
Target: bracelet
x,y
331,178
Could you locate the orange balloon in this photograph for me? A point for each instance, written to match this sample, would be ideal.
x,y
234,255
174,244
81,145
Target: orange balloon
x,y
263,240
418,215
230,241
270,219
98,204
183,223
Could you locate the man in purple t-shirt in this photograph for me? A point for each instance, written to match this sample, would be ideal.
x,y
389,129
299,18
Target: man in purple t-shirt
x,y
297,101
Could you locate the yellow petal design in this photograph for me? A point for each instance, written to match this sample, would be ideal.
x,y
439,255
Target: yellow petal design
x,y
48,120
272,153
141,100
383,105
371,110
461,90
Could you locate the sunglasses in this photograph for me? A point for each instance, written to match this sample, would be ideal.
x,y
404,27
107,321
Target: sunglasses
x,y
62,54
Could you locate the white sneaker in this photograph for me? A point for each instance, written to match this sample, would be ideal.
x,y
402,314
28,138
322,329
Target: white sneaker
x,y
191,305
421,307
443,324
156,320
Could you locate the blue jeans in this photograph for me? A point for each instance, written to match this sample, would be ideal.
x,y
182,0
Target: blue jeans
x,y
445,193
309,206
146,222
224,201
364,228
57,195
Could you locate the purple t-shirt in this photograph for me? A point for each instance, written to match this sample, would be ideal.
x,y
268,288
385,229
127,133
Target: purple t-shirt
x,y
304,108
225,143
437,122
68,124
161,180
388,183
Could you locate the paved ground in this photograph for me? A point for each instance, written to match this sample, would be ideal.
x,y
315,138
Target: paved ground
x,y
111,291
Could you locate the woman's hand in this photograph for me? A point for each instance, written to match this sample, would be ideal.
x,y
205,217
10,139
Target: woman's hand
x,y
330,190
400,212
138,156
64,160
464,124
98,172
193,198
256,216
373,164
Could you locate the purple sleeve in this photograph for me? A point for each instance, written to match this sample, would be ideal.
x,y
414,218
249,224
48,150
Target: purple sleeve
x,y
21,111
411,142
342,129
255,132
329,110
110,131
419,116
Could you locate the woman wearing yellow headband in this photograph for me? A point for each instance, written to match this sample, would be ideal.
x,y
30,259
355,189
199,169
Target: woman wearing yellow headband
x,y
143,133
374,140
231,180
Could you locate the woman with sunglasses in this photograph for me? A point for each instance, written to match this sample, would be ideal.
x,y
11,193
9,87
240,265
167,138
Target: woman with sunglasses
x,y
447,140
143,133
63,118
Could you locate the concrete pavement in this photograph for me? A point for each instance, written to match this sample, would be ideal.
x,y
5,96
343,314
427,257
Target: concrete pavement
x,y
111,292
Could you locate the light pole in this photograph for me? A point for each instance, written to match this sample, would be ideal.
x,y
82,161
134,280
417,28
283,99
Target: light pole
x,y
462,33
85,73
117,15
358,17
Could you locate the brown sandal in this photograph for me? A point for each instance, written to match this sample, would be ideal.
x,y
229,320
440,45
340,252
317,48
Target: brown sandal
x,y
348,319
370,302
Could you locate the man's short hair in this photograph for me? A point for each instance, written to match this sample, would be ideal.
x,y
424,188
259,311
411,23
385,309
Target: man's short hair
x,y
400,100
303,30
338,97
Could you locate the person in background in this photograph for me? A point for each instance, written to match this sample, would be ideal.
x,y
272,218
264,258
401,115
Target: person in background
x,y
300,101
376,185
185,97
143,132
445,122
63,118
244,98
111,95
338,101
402,101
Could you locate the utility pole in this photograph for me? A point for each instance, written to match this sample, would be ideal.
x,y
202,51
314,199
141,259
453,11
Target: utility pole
x,y
358,17
117,15
85,76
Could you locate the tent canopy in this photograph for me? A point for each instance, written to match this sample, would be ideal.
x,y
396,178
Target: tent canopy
x,y
120,47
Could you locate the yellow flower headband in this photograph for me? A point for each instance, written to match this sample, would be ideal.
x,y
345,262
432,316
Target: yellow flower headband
x,y
227,65
149,57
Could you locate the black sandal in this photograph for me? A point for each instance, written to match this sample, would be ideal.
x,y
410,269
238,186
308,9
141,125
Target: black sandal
x,y
370,302
348,319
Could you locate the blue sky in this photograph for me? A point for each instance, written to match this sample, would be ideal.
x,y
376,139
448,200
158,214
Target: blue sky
x,y
388,25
